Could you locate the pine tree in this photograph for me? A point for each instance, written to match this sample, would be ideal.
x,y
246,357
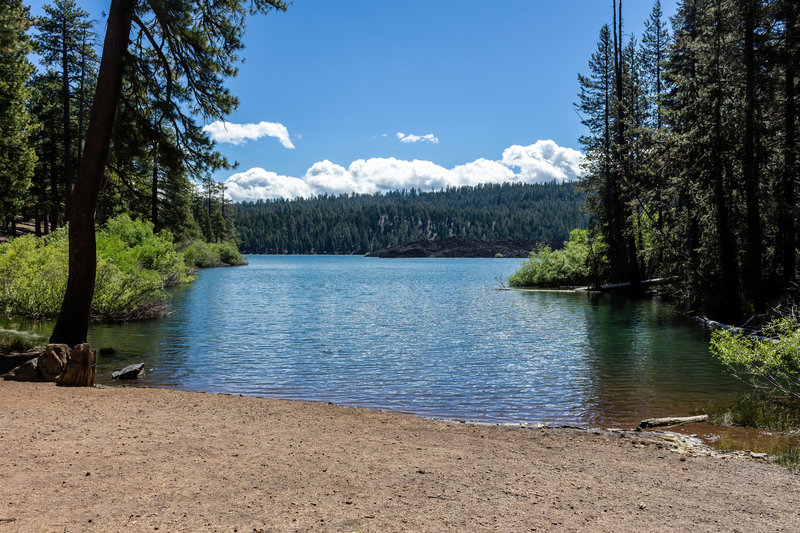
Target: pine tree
x,y
201,41
17,156
62,44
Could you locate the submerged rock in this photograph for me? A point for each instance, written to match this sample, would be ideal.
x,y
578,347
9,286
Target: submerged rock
x,y
129,372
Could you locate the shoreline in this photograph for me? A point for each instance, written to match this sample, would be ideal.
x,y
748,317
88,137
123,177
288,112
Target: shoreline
x,y
131,458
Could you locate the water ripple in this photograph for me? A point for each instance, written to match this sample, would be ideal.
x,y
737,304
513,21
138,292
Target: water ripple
x,y
426,336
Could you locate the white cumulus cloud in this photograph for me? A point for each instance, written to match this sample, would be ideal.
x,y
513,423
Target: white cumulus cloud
x,y
411,138
258,183
540,162
228,132
543,161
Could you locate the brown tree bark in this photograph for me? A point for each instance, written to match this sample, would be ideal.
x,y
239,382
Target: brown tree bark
x,y
73,319
728,302
750,168
787,227
66,119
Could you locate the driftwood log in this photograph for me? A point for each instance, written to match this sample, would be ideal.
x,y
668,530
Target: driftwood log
x,y
81,367
671,421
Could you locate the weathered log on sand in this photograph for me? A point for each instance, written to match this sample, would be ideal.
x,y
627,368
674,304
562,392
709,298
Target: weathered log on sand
x,y
81,368
671,421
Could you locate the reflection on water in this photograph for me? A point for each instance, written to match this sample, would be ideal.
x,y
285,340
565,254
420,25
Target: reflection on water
x,y
426,336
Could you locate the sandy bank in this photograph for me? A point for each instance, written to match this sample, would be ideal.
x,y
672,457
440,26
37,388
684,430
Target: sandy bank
x,y
127,459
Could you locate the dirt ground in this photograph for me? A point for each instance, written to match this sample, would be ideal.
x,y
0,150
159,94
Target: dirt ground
x,y
134,459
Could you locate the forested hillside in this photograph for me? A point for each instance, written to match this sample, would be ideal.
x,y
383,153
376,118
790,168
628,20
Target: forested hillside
x,y
357,224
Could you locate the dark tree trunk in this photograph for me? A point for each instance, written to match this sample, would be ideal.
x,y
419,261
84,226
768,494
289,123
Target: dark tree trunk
x,y
787,230
749,164
54,197
154,192
81,98
73,319
65,96
38,224
728,301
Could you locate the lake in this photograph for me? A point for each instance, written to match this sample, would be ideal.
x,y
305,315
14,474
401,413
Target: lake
x,y
432,337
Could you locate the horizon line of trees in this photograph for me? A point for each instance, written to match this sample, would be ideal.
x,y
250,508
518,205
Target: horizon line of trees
x,y
362,223
691,166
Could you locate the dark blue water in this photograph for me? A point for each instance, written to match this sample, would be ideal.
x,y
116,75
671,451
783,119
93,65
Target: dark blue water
x,y
426,336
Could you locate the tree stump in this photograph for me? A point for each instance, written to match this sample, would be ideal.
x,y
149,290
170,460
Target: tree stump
x,y
81,367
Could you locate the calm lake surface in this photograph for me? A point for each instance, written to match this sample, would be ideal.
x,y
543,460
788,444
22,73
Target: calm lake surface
x,y
431,337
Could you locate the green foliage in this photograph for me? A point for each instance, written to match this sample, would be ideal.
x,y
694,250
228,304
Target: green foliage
x,y
770,363
19,341
17,156
134,265
572,265
203,254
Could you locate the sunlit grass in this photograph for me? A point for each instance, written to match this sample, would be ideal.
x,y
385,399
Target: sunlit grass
x,y
17,341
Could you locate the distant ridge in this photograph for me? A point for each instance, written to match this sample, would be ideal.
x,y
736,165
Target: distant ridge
x,y
365,223
458,247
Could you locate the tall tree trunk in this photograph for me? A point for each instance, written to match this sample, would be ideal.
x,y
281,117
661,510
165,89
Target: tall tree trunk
x,y
73,319
65,96
787,229
728,302
54,197
749,164
154,191
81,98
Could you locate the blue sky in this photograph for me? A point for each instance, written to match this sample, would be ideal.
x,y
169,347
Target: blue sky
x,y
345,78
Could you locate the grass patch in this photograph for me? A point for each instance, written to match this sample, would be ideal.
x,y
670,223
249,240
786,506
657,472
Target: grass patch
x,y
758,411
19,341
761,411
790,458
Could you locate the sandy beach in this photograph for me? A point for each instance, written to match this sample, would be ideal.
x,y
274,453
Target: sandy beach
x,y
136,459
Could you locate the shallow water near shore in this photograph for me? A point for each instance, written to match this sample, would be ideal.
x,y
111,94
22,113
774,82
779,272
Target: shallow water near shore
x,y
431,337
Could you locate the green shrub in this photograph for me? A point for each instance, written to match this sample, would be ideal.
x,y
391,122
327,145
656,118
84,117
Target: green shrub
x,y
200,254
229,253
134,265
572,265
203,254
770,362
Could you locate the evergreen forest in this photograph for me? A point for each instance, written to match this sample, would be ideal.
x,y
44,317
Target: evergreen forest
x,y
691,150
159,162
362,223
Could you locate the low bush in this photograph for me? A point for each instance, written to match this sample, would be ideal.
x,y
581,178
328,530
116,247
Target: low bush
x,y
134,266
203,254
575,264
